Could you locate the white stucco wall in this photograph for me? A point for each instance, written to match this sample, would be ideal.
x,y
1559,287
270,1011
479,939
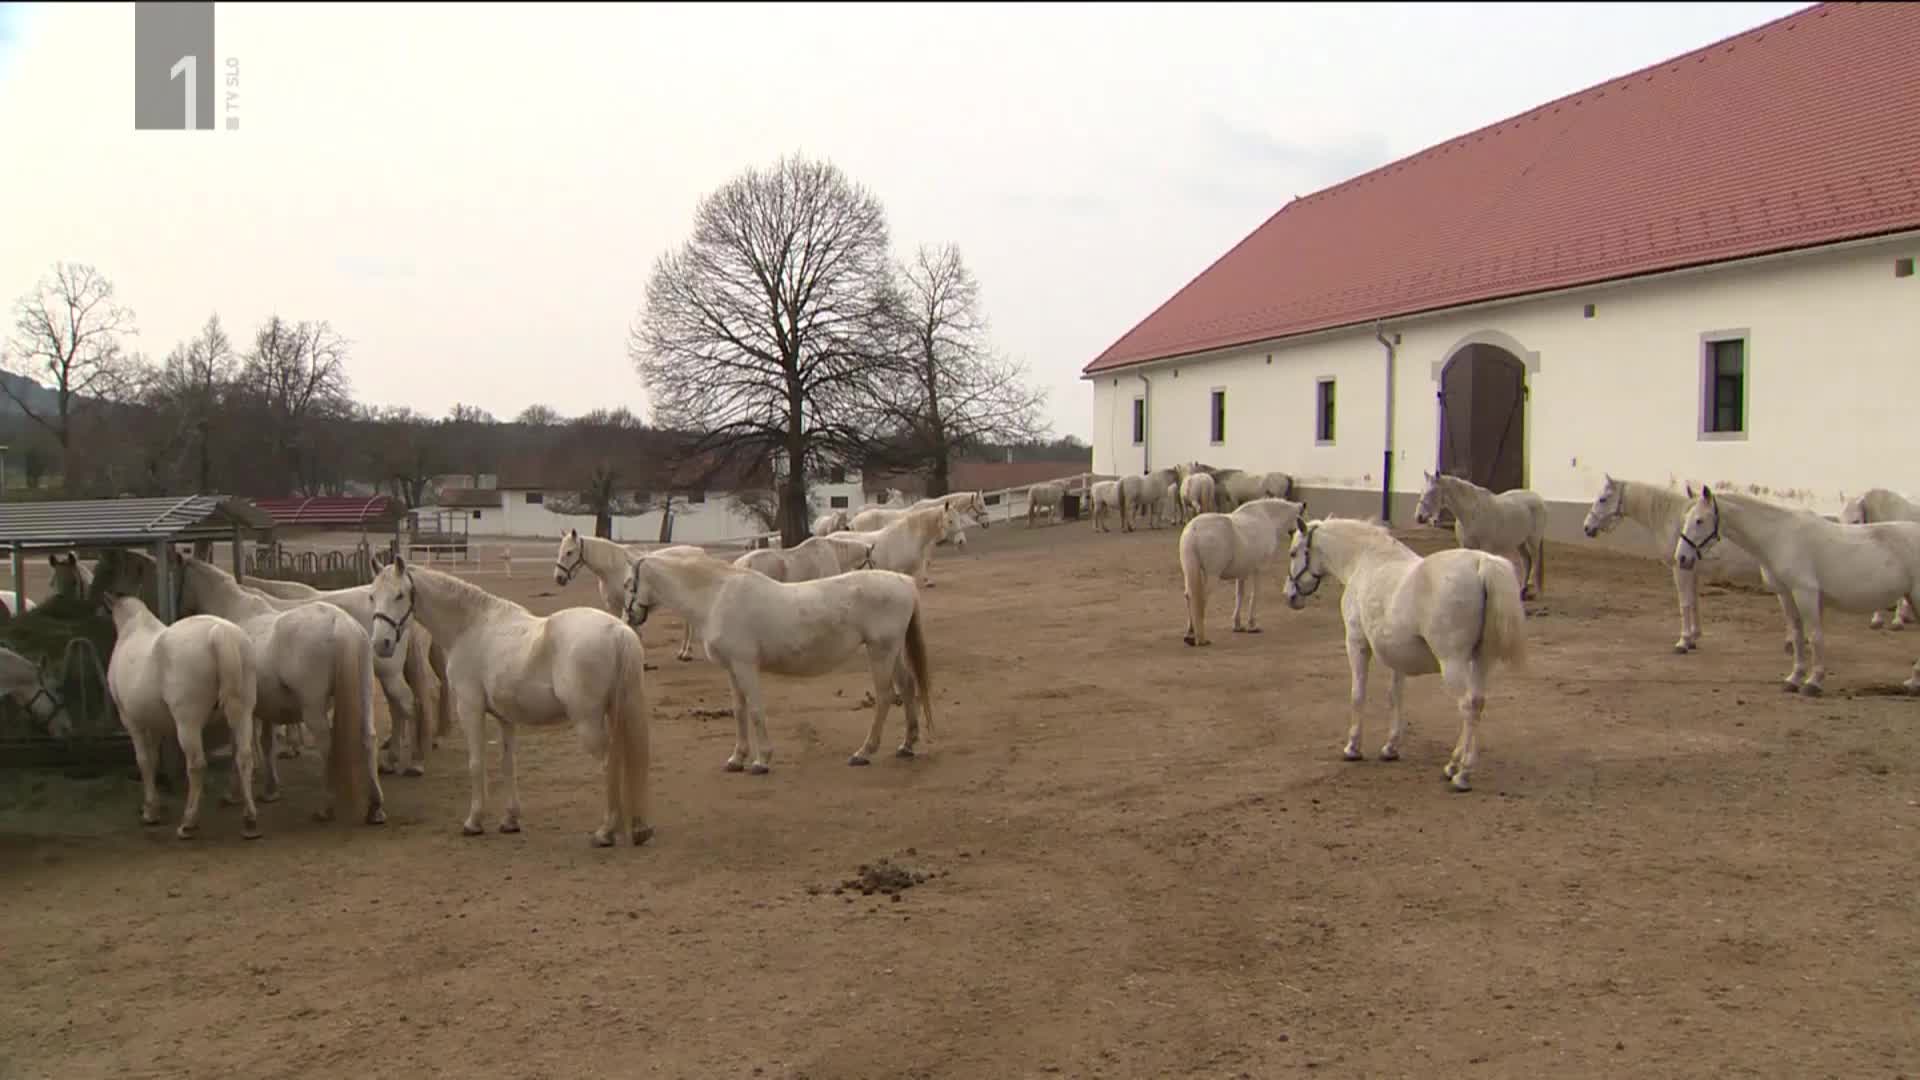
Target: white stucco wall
x,y
1833,363
694,523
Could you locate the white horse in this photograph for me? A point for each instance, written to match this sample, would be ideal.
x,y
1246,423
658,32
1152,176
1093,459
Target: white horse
x,y
1660,511
1149,495
831,522
1044,498
1813,564
813,558
70,579
14,603
418,645
1197,495
753,624
1105,497
1510,521
306,660
1235,486
1232,547
171,679
970,503
580,664
1880,504
23,680
907,545
608,561
309,664
1455,612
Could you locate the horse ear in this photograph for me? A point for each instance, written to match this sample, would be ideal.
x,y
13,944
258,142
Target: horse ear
x,y
1690,493
399,562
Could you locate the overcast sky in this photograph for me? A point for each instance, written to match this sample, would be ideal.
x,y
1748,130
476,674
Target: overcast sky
x,y
474,194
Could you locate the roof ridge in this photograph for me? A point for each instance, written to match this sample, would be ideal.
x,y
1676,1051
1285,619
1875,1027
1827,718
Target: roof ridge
x,y
1545,108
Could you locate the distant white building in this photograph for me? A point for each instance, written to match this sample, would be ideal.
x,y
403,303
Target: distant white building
x,y
1701,271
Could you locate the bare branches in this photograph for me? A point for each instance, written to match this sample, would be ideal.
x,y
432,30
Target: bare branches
x,y
954,391
66,335
765,333
296,373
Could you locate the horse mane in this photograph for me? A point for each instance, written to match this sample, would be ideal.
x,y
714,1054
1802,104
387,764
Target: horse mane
x,y
1368,530
461,593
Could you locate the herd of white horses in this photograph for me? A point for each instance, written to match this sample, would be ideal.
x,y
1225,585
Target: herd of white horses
x,y
269,655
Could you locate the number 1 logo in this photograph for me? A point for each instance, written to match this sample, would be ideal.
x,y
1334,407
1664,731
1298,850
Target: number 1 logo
x,y
190,66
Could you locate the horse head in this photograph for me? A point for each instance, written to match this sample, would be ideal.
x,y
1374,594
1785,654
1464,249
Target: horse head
x,y
570,558
639,592
392,597
1605,512
1304,569
1700,531
1428,509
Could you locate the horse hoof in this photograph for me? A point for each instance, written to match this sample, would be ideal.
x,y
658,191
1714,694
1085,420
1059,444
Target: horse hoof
x,y
600,839
1252,630
1387,753
1811,690
1188,639
1460,784
758,769
509,826
733,766
1911,686
386,769
472,830
269,797
185,832
413,770
642,834
1679,648
858,760
376,816
1351,754
903,752
1789,688
1449,769
149,820
249,830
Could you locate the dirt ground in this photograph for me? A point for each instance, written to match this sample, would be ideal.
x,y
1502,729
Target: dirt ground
x,y
1123,857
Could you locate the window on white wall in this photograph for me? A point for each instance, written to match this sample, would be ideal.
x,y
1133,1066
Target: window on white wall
x,y
837,502
1323,413
1139,421
1723,385
1218,417
536,498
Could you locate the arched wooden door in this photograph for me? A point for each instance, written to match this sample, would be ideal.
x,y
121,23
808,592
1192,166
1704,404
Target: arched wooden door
x,y
1483,415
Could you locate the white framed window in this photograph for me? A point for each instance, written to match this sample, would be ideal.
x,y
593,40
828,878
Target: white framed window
x,y
1139,421
1725,370
1217,416
1323,401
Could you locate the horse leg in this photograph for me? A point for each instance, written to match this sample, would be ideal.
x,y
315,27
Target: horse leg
x,y
315,720
473,723
1239,605
1685,588
1359,654
1396,711
187,727
883,686
400,713
1253,603
1796,637
762,746
146,755
1903,614
741,743
1466,751
1811,608
509,778
595,735
908,690
686,643
1526,570
1197,611
269,762
245,744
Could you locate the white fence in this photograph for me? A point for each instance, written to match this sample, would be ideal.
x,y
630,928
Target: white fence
x,y
1001,506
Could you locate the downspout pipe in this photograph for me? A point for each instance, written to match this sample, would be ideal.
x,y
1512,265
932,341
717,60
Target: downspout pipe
x,y
1386,462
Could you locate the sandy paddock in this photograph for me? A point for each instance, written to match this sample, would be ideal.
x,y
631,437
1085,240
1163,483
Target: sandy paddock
x,y
1138,859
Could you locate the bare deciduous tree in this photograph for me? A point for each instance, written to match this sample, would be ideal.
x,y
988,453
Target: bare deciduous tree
x,y
606,457
953,392
297,374
765,333
66,336
193,392
538,416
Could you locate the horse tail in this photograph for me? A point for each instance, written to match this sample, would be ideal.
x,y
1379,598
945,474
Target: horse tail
x,y
1289,495
237,684
627,731
1503,619
443,722
348,753
917,662
1122,487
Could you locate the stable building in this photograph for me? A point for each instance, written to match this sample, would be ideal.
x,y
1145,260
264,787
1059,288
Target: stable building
x,y
1703,271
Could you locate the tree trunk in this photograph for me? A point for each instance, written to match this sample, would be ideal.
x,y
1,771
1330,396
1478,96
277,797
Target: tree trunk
x,y
666,520
794,527
603,525
938,483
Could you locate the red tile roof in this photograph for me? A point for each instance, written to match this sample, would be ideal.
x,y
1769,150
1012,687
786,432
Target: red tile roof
x,y
1801,132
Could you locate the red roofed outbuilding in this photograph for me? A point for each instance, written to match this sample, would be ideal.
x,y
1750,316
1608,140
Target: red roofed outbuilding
x,y
1700,271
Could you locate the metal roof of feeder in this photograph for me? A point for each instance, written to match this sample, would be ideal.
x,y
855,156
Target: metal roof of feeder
x,y
105,522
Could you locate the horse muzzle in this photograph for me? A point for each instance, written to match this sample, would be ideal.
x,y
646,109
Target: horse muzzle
x,y
1686,561
637,616
1590,531
383,647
